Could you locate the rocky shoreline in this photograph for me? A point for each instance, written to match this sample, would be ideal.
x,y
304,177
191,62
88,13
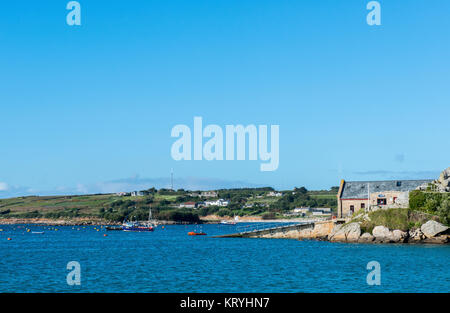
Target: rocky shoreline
x,y
430,232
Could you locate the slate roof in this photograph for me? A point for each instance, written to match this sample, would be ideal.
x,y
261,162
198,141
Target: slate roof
x,y
358,189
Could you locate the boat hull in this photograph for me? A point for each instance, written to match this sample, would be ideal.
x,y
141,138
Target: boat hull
x,y
137,228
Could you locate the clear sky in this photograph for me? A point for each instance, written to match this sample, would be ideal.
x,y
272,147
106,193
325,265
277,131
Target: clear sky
x,y
90,108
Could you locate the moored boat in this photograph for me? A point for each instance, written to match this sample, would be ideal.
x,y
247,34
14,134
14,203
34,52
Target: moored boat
x,y
193,233
136,226
140,227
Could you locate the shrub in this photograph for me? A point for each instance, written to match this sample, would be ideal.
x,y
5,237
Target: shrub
x,y
432,203
224,212
391,218
268,216
417,199
179,216
32,214
444,211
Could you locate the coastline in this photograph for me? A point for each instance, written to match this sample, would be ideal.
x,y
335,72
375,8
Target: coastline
x,y
319,230
73,221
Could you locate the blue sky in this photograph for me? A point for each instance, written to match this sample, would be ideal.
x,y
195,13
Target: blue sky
x,y
90,108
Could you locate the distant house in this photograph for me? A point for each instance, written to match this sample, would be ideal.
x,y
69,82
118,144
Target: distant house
x,y
319,213
367,195
188,205
122,194
274,194
321,210
209,194
194,194
301,210
220,202
137,193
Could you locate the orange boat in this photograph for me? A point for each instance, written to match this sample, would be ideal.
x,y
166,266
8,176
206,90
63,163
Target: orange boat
x,y
193,233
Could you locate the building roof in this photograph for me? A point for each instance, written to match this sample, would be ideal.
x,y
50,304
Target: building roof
x,y
358,189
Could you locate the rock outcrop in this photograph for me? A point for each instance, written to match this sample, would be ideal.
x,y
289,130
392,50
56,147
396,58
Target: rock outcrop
x,y
322,230
444,179
347,232
366,237
382,233
416,235
442,184
399,236
432,229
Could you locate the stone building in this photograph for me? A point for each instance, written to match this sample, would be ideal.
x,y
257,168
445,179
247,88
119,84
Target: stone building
x,y
368,195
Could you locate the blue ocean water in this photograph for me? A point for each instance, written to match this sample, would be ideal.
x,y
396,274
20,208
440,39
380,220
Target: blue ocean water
x,y
167,260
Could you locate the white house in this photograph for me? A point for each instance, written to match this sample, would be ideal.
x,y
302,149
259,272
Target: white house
x,y
220,202
301,210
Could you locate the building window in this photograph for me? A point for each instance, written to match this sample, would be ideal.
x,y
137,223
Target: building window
x,y
381,201
352,209
363,205
399,183
395,199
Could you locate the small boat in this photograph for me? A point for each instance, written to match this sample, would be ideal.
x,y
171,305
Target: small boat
x,y
225,222
193,233
113,227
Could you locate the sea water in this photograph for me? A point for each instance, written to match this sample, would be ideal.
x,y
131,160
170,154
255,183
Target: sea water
x,y
168,260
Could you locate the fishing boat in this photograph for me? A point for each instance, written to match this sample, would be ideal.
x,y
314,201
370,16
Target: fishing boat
x,y
140,227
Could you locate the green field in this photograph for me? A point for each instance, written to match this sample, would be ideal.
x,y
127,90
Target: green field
x,y
86,205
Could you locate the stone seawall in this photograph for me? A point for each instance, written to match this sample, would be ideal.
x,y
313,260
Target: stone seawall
x,y
316,230
339,231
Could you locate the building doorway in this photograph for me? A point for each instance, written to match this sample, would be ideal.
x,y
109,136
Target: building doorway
x,y
381,201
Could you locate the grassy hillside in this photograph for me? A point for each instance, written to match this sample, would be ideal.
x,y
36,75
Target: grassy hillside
x,y
164,204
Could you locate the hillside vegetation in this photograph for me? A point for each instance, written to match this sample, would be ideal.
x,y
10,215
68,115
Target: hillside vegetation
x,y
164,204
